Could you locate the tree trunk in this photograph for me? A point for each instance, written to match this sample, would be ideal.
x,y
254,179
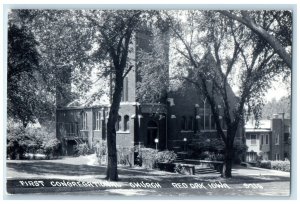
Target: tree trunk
x,y
227,166
112,168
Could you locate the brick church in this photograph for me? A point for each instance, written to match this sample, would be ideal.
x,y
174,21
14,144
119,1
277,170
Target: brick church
x,y
174,120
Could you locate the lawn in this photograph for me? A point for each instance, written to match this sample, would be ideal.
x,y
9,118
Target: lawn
x,y
83,175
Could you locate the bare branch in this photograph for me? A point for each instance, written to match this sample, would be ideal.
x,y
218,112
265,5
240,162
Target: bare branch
x,y
273,42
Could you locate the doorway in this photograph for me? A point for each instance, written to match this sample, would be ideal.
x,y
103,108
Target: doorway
x,y
152,134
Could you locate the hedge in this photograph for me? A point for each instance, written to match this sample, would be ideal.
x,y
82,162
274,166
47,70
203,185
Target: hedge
x,y
276,165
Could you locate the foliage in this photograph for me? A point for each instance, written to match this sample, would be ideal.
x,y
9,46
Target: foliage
x,y
272,26
152,65
282,105
23,140
281,165
101,151
124,155
26,97
150,157
264,164
277,165
101,146
44,48
240,150
212,149
235,58
166,156
82,149
183,169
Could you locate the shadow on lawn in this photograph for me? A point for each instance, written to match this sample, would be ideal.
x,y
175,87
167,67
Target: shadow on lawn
x,y
53,168
128,174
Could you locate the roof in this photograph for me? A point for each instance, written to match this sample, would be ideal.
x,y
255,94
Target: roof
x,y
263,125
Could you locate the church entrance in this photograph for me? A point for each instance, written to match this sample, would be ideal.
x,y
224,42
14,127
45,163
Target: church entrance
x,y
152,134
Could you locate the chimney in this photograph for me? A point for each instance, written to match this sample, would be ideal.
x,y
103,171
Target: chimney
x,y
282,116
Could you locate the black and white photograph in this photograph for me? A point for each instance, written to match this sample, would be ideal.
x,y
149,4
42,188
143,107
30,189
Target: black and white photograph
x,y
159,103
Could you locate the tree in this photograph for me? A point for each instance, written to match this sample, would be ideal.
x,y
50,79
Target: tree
x,y
275,27
116,29
283,105
152,65
222,54
23,76
76,41
45,49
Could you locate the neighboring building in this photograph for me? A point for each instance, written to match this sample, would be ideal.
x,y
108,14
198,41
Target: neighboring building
x,y
270,140
258,140
176,119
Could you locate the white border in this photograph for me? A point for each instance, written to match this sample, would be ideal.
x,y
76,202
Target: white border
x,y
209,4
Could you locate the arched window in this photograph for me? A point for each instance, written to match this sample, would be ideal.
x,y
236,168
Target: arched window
x,y
183,123
126,123
125,90
84,121
118,123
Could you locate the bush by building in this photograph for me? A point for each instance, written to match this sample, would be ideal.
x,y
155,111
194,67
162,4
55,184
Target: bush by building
x,y
166,156
83,149
23,142
124,155
149,158
276,165
213,149
281,165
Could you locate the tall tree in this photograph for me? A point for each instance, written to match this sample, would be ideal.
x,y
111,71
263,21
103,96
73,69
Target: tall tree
x,y
223,55
116,32
23,75
78,40
42,54
274,27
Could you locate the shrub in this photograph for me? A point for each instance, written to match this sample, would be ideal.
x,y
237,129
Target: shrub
x,y
124,155
184,169
101,151
276,165
206,155
240,150
208,148
21,141
264,164
178,168
149,157
166,156
281,165
51,148
81,149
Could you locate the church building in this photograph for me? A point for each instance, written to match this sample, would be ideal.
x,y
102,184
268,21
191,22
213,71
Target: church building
x,y
173,120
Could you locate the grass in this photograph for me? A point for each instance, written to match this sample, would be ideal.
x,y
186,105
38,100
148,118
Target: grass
x,y
71,168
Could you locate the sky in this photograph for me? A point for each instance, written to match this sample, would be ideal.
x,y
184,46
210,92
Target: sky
x,y
277,91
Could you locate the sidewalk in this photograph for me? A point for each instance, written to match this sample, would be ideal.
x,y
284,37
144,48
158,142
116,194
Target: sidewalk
x,y
83,169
